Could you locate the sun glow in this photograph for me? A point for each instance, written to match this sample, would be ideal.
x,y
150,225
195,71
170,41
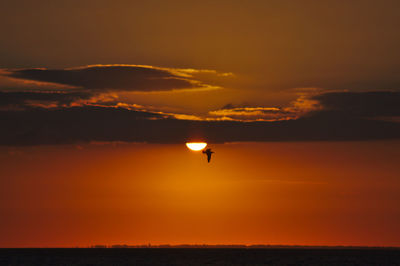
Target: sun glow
x,y
196,146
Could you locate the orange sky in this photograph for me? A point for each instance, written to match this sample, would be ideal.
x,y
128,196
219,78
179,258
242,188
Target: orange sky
x,y
305,193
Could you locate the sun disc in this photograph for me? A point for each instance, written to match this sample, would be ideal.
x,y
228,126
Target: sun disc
x,y
196,146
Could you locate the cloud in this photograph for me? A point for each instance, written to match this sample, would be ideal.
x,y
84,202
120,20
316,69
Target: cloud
x,y
361,104
298,108
21,100
82,105
97,85
8,83
117,78
39,126
382,105
253,114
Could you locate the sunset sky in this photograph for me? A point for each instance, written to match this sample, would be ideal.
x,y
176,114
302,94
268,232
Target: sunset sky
x,y
299,100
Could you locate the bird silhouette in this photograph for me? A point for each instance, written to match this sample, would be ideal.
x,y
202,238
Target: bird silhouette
x,y
208,152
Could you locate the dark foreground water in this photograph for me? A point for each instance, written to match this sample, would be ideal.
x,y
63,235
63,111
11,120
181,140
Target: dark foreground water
x,y
199,256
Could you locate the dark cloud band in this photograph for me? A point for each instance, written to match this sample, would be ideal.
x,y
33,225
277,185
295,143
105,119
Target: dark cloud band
x,y
75,116
85,124
361,104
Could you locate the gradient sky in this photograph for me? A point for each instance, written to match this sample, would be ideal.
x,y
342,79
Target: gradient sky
x,y
320,193
299,99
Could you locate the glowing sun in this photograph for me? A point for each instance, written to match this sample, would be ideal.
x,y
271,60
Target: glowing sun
x,y
196,146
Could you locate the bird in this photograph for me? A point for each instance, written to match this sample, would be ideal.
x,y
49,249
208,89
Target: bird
x,y
208,152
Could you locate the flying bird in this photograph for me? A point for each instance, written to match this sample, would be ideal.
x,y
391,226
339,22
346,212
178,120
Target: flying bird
x,y
208,152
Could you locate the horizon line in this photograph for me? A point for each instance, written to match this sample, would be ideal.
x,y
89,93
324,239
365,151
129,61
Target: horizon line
x,y
205,246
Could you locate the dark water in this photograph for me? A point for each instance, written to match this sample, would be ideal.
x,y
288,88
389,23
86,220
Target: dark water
x,y
200,256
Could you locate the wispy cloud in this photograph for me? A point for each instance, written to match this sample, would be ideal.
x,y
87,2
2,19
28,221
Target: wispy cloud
x,y
253,114
139,78
296,109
